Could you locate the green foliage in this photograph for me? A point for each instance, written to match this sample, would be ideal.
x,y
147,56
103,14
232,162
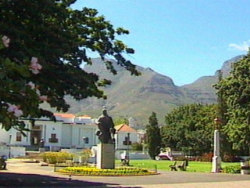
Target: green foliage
x,y
121,120
234,169
90,171
85,155
153,136
236,92
56,157
43,45
137,146
190,129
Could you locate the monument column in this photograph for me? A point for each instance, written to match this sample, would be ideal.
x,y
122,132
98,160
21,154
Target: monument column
x,y
216,163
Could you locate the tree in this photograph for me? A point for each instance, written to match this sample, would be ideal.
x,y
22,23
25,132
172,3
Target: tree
x,y
44,44
236,91
121,120
226,146
190,129
153,136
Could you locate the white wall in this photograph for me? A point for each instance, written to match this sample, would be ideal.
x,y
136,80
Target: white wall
x,y
79,131
9,137
50,127
12,151
4,136
66,135
120,137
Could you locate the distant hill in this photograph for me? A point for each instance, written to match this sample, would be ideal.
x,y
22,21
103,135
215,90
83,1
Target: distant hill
x,y
137,97
202,91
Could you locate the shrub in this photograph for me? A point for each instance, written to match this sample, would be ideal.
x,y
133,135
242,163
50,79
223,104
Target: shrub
x,y
231,158
206,157
56,157
180,158
85,155
232,169
137,146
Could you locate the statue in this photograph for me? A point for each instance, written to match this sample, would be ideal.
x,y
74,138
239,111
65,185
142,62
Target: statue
x,y
106,128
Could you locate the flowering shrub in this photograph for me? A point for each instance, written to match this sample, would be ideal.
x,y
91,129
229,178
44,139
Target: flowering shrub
x,y
207,157
90,171
56,157
41,57
232,169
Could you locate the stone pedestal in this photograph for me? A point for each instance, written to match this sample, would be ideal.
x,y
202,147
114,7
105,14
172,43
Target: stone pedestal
x,y
216,163
42,150
105,156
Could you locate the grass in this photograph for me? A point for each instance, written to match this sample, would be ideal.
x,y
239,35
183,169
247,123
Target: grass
x,y
194,166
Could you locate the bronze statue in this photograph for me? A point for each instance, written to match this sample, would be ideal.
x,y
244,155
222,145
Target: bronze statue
x,y
106,128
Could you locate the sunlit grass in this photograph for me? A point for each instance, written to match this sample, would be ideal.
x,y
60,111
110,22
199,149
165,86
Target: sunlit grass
x,y
193,166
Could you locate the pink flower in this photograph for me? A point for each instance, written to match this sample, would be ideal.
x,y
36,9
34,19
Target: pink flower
x,y
6,41
43,98
34,66
18,113
31,84
15,109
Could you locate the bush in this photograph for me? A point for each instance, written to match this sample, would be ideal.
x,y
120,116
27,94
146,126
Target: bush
x,y
207,157
232,169
137,146
181,158
231,158
85,155
56,157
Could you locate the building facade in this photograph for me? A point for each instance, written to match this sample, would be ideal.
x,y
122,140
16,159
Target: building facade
x,y
68,131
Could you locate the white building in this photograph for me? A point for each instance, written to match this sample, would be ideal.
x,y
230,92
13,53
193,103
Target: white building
x,y
68,131
125,136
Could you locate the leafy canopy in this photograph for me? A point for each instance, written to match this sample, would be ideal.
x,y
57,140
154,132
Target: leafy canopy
x,y
190,129
153,136
236,92
43,45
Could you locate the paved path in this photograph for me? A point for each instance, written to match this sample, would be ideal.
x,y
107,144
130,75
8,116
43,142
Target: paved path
x,y
30,174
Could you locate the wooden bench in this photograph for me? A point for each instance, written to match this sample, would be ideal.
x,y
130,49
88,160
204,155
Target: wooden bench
x,y
182,165
125,162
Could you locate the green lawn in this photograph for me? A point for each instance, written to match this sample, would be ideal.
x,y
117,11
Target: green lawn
x,y
164,165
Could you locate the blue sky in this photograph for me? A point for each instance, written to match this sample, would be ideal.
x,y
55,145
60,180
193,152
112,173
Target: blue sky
x,y
182,39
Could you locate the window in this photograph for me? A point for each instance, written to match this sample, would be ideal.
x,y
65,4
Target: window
x,y
18,137
53,138
86,140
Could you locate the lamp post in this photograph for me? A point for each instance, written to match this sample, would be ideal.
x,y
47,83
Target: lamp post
x,y
216,163
9,145
128,142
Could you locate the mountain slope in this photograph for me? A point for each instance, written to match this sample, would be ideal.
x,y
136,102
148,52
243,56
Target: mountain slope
x,y
131,96
202,91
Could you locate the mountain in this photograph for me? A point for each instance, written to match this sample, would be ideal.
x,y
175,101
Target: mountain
x,y
137,97
202,90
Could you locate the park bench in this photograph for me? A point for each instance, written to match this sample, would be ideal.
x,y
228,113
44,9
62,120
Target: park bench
x,y
182,165
125,162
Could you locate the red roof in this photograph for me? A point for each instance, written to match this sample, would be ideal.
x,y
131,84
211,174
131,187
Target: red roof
x,y
125,128
64,115
84,116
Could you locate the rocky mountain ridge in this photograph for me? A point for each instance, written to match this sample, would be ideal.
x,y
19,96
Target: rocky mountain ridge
x,y
138,97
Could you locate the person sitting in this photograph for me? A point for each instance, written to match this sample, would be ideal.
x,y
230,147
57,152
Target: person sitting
x,y
3,163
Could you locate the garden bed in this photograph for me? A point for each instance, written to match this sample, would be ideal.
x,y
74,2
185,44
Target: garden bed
x,y
92,171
